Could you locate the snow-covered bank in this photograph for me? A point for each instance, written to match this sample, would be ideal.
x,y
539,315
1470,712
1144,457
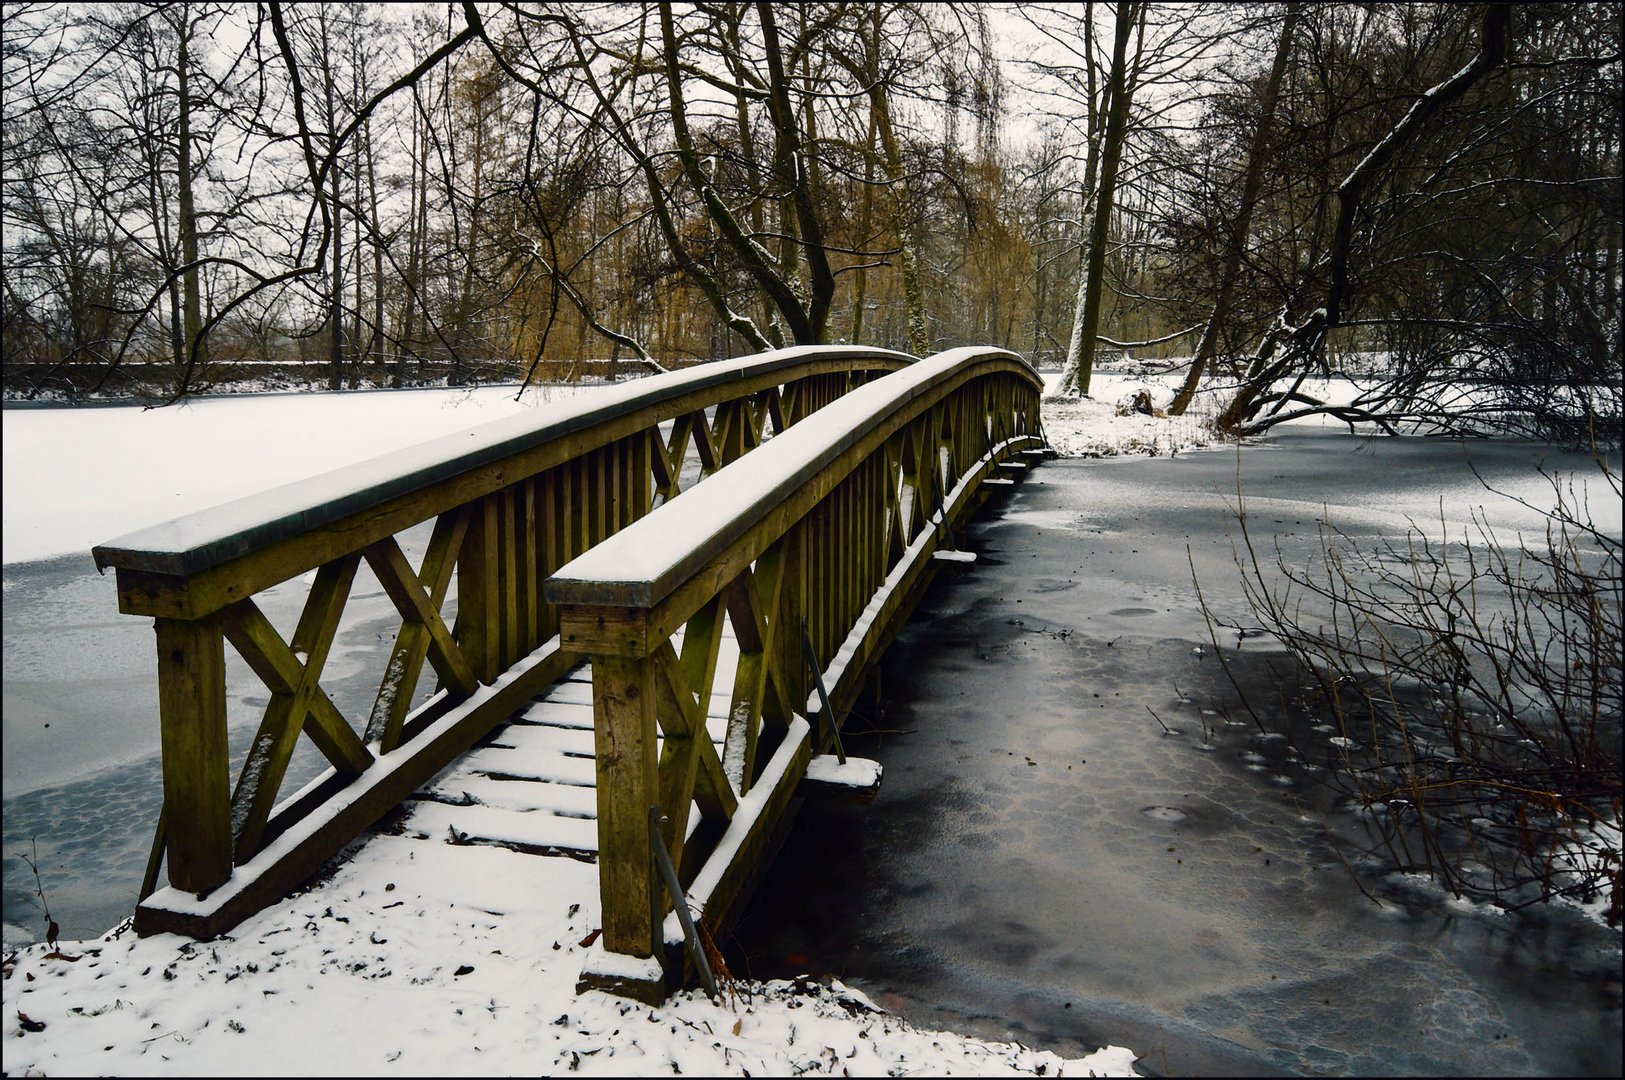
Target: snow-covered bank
x,y
386,970
1104,424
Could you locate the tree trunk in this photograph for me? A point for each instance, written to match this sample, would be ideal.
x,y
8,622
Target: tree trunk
x,y
1119,91
1243,225
919,340
193,319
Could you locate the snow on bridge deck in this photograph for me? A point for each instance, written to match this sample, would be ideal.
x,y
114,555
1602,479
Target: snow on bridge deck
x,y
530,785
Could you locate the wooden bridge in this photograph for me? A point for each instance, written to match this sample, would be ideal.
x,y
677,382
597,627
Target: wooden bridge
x,y
728,630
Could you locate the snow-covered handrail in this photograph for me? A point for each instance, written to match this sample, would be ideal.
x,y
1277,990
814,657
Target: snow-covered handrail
x,y
509,503
829,531
204,540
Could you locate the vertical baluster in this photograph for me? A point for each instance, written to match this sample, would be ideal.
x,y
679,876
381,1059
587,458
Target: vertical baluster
x,y
477,590
614,488
548,533
529,564
641,450
791,609
508,577
580,506
601,492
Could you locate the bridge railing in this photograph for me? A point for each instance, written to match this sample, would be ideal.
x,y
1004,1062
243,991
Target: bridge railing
x,y
826,536
509,502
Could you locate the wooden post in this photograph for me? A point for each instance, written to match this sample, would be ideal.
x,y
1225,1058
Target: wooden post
x,y
624,699
197,780
787,636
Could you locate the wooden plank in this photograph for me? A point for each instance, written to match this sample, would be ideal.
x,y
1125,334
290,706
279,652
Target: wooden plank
x,y
478,598
548,535
530,571
261,777
701,641
192,731
405,665
786,651
642,500
405,591
508,583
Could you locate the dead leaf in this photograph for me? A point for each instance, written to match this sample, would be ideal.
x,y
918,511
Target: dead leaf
x,y
592,937
29,1023
738,1024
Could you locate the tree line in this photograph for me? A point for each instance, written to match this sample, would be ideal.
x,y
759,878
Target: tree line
x,y
1427,195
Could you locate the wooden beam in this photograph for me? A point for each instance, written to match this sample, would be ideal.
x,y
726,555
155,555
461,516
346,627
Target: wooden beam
x,y
405,665
261,778
405,591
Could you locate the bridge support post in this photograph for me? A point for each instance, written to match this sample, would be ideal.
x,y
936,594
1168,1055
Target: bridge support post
x,y
624,696
197,778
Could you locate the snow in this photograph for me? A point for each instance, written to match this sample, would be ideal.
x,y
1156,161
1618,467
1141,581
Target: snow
x,y
385,970
854,772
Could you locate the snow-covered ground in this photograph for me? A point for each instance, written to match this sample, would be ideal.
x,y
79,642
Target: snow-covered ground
x,y
386,970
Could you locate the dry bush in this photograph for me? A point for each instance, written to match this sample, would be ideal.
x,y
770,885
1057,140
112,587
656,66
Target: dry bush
x,y
1476,684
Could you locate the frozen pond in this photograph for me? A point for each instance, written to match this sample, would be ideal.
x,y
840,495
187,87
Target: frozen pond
x,y
1044,862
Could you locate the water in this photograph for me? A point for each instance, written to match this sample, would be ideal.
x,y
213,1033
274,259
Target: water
x,y
83,780
1048,860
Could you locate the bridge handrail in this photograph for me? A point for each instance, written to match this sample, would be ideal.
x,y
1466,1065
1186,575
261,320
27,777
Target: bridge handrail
x,y
204,540
509,503
834,522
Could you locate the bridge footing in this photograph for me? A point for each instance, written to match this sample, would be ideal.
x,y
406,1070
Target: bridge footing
x,y
641,978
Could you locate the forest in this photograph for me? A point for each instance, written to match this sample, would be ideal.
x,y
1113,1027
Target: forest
x,y
1424,195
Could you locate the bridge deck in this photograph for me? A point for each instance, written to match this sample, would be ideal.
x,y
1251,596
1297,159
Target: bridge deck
x,y
530,786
